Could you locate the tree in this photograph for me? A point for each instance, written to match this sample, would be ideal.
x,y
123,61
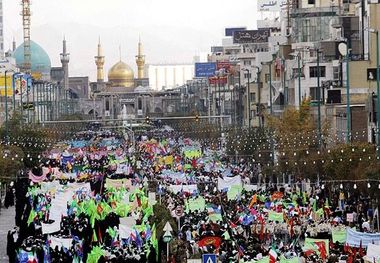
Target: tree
x,y
295,142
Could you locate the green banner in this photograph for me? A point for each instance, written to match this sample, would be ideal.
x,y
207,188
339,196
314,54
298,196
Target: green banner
x,y
291,260
273,216
234,191
339,235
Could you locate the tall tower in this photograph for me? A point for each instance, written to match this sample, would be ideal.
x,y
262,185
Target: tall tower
x,y
26,28
1,31
140,61
99,61
65,58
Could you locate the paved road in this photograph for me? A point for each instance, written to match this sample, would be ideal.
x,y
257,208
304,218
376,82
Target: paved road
x,y
7,221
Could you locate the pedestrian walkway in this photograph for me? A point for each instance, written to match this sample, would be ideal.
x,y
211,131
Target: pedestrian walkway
x,y
7,221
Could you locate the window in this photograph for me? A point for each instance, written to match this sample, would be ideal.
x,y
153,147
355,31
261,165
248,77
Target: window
x,y
247,75
336,72
314,95
311,2
314,72
139,104
305,30
107,105
253,97
247,62
267,77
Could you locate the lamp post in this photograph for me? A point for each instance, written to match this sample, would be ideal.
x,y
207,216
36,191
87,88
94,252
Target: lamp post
x,y
270,88
248,99
376,32
6,105
319,98
299,78
348,109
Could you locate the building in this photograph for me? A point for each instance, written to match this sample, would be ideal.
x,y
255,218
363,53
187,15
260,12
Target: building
x,y
40,61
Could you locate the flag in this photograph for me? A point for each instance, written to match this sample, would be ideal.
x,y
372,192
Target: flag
x,y
315,205
272,255
47,258
253,201
154,240
322,249
210,240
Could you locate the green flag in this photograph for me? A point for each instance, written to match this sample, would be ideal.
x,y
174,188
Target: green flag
x,y
154,240
31,217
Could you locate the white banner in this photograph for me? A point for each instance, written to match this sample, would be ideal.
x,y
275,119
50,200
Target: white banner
x,y
227,182
373,251
60,242
354,238
185,188
50,228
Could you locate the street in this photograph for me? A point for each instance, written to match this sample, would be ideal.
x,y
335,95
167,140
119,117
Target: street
x,y
6,222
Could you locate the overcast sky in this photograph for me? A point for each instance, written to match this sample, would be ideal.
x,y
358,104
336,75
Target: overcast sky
x,y
172,31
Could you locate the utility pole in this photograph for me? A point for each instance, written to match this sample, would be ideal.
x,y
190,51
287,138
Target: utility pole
x,y
348,109
299,79
319,98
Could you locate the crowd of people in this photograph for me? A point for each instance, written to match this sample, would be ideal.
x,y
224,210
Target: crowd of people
x,y
93,199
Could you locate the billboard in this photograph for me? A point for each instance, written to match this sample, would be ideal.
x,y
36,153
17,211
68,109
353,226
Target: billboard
x,y
226,65
229,31
205,70
218,81
270,5
217,49
251,36
18,84
9,85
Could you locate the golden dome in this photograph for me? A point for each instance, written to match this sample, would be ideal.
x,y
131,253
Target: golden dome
x,y
121,75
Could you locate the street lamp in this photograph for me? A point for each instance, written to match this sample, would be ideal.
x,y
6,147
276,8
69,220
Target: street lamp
x,y
298,56
375,31
345,51
248,98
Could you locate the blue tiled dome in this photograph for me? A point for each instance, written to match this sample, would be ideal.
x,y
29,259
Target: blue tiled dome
x,y
40,59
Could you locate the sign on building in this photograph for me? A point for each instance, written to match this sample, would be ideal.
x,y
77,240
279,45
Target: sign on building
x,y
205,70
270,5
251,36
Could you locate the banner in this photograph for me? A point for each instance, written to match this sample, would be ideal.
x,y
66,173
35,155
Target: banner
x,y
354,238
184,188
373,251
228,182
234,192
117,183
50,228
339,235
198,204
276,217
290,260
208,241
60,242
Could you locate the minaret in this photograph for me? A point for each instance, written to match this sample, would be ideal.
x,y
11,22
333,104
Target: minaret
x,y
140,61
99,61
14,45
65,58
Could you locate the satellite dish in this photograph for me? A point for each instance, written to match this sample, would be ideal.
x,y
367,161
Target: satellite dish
x,y
342,47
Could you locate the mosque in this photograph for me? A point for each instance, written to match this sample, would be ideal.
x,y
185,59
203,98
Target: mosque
x,y
121,93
